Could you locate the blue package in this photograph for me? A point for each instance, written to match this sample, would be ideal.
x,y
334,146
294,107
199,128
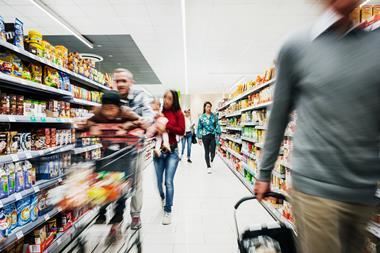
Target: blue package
x,y
4,189
19,177
2,30
34,207
11,216
65,81
28,177
23,211
3,224
18,40
10,170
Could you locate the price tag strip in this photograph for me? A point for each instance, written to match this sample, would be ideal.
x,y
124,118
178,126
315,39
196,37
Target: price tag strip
x,y
14,158
47,217
28,155
19,235
18,196
36,188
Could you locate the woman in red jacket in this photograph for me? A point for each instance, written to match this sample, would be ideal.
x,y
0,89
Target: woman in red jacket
x,y
167,162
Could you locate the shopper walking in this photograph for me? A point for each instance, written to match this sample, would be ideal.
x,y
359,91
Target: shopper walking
x,y
167,163
207,132
137,101
187,138
336,95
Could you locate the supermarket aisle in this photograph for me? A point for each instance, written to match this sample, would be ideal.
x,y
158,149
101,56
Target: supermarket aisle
x,y
203,216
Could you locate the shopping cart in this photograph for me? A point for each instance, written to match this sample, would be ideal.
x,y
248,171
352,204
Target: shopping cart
x,y
278,238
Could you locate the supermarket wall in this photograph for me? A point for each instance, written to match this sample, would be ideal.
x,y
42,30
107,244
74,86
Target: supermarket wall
x,y
195,103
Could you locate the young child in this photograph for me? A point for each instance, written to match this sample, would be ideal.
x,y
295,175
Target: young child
x,y
160,123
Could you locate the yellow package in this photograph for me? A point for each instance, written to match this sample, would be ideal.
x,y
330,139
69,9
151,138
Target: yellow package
x,y
51,77
355,16
376,10
366,13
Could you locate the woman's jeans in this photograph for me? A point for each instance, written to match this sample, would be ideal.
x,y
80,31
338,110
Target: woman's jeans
x,y
187,138
167,163
209,144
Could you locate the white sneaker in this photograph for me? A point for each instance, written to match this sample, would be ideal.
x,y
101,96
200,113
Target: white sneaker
x,y
167,219
209,170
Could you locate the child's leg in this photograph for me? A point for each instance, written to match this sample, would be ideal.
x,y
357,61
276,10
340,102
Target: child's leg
x,y
165,139
157,147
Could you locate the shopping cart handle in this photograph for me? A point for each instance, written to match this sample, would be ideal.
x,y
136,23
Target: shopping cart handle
x,y
266,195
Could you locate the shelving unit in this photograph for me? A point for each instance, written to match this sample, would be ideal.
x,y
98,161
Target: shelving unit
x,y
245,124
234,153
86,149
233,139
83,102
234,114
233,128
248,139
34,119
251,156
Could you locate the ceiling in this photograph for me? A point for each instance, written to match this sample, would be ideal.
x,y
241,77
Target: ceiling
x,y
226,39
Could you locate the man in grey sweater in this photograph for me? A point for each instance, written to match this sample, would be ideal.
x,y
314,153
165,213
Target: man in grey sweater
x,y
329,74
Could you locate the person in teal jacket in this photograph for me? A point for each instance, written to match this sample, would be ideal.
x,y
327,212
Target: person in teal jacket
x,y
207,132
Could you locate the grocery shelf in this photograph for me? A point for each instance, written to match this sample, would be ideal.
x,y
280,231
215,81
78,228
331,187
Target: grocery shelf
x,y
83,102
248,139
259,145
252,156
39,186
278,174
234,153
86,149
248,124
20,232
65,238
82,79
249,169
233,128
374,229
234,114
29,85
247,93
237,174
285,164
33,119
234,140
24,155
261,127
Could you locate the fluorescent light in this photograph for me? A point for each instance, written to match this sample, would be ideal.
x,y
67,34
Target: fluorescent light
x,y
42,6
184,35
364,3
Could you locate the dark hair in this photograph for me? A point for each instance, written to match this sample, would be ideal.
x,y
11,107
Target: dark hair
x,y
205,104
176,105
111,97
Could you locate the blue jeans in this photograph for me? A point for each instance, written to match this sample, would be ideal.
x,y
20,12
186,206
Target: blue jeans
x,y
187,138
168,163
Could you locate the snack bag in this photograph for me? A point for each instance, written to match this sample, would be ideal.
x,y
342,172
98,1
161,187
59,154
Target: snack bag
x,y
3,183
3,143
25,141
65,82
20,181
6,60
51,77
17,66
3,225
36,72
11,214
18,40
28,174
23,211
10,169
2,31
13,142
33,207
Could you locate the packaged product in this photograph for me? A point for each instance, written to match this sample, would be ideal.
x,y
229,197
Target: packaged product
x,y
5,103
34,36
42,202
26,73
47,49
52,226
3,182
40,235
53,139
20,181
18,39
23,211
376,10
35,48
47,137
38,139
28,107
2,30
65,82
3,143
20,105
43,106
33,207
366,13
25,140
51,77
73,135
12,211
13,104
14,142
34,174
3,225
10,170
28,174
355,16
36,72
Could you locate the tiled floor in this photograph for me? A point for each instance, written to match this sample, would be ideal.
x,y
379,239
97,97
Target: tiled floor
x,y
203,210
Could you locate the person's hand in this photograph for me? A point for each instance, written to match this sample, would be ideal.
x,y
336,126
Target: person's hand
x,y
199,142
261,187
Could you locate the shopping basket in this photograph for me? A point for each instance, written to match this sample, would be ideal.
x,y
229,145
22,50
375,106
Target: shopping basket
x,y
280,238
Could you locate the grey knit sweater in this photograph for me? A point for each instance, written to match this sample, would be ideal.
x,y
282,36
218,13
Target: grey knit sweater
x,y
334,86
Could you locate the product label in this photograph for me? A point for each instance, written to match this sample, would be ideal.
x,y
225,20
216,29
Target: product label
x,y
18,196
14,158
19,235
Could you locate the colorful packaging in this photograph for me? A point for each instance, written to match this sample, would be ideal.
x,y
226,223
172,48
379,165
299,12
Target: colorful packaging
x,y
47,137
13,104
366,13
40,235
23,211
36,72
26,73
52,226
5,103
17,66
20,181
19,105
2,31
3,224
53,134
3,183
25,140
18,40
3,143
376,10
10,169
11,213
28,174
14,142
28,110
33,207
65,82
51,77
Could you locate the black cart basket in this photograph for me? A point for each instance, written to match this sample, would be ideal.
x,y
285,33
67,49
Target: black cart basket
x,y
280,238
